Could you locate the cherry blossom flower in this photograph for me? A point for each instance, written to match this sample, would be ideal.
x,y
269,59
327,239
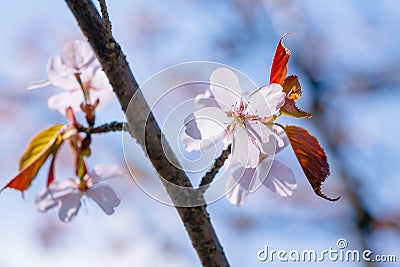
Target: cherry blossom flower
x,y
231,116
220,141
270,173
68,194
75,68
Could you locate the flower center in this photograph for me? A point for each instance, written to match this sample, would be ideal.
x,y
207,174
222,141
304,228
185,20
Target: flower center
x,y
240,115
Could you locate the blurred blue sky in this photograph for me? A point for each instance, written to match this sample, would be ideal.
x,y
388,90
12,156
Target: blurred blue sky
x,y
349,45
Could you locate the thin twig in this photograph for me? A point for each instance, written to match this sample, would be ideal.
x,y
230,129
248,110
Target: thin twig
x,y
212,172
105,19
105,128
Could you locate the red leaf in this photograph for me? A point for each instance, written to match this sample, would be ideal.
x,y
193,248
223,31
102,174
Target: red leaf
x,y
292,88
290,109
279,63
311,157
50,176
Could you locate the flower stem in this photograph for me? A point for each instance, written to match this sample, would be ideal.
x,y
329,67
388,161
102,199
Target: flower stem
x,y
84,91
212,172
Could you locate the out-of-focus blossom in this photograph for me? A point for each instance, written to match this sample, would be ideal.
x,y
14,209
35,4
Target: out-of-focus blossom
x,y
68,194
270,173
78,71
231,114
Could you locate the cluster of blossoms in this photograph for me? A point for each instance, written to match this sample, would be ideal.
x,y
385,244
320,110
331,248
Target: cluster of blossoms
x,y
77,71
226,115
248,124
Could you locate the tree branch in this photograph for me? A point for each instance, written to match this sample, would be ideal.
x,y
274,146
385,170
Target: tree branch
x,y
105,128
147,132
209,176
105,19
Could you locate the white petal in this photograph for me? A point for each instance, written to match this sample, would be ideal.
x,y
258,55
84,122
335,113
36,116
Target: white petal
x,y
38,84
238,185
101,89
267,100
244,148
280,179
104,96
60,75
225,87
99,80
205,100
206,123
263,136
105,171
61,101
105,197
88,75
282,139
190,144
77,54
49,197
70,205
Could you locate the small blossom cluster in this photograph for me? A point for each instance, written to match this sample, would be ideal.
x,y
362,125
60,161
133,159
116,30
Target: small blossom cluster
x,y
225,115
248,124
78,72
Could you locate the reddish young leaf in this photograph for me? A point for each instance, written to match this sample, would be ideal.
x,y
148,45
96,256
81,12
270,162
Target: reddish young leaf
x,y
279,63
291,86
290,109
39,149
50,176
311,157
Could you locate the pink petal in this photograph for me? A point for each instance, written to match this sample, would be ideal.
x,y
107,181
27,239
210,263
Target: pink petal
x,y
267,100
101,89
61,101
238,185
283,141
244,148
225,86
262,136
105,171
205,100
38,84
50,197
280,179
77,54
70,205
88,75
60,75
105,197
206,123
190,144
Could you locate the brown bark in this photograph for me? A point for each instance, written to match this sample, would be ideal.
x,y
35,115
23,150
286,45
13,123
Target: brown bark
x,y
147,132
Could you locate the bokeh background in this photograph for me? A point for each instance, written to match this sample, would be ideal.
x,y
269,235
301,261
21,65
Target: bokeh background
x,y
346,55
